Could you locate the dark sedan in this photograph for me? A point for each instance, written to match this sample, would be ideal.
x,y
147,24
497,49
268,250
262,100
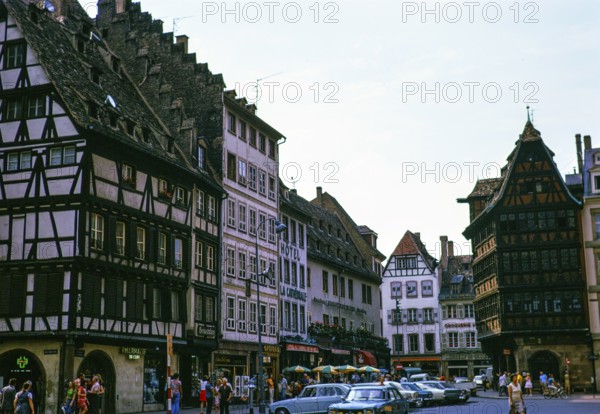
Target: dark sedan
x,y
371,399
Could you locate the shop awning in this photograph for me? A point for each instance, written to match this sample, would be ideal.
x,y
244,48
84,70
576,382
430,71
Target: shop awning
x,y
420,359
365,358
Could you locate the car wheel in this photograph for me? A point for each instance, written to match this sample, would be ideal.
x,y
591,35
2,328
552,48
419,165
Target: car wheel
x,y
419,403
281,411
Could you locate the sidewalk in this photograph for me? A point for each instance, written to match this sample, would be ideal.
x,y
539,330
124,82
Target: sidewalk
x,y
494,395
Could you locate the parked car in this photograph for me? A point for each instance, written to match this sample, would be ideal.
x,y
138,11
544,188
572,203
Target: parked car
x,y
480,380
425,397
437,391
463,383
464,393
313,399
449,394
371,399
412,396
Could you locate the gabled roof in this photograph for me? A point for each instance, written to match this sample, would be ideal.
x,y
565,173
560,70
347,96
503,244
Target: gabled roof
x,y
494,189
69,70
321,216
411,244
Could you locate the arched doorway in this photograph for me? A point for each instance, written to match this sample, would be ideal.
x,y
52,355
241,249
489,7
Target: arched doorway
x,y
25,366
543,361
98,362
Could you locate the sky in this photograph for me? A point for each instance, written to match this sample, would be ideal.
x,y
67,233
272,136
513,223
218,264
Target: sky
x,y
396,108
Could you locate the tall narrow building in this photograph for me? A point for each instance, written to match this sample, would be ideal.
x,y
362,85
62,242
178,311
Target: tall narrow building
x,y
529,280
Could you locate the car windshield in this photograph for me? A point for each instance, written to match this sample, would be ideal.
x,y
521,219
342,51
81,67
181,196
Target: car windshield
x,y
409,386
433,385
366,394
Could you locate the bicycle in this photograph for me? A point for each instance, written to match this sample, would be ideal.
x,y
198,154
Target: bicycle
x,y
559,393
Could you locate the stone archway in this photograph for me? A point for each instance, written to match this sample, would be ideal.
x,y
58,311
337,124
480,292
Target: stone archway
x,y
546,361
98,362
25,366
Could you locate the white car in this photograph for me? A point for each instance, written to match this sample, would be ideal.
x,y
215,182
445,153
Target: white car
x,y
436,390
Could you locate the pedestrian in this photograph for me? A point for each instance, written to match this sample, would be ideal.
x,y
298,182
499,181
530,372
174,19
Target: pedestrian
x,y
176,391
82,402
8,397
93,396
516,403
502,382
543,382
567,383
216,396
225,394
23,402
203,401
528,385
282,387
271,385
209,395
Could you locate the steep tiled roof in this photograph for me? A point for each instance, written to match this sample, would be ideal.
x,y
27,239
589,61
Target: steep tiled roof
x,y
69,57
411,244
485,187
318,231
457,278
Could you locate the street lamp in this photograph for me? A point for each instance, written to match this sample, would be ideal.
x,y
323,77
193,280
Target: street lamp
x,y
279,227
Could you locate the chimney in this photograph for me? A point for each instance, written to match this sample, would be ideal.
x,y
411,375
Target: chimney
x,y
294,191
120,6
579,153
444,249
450,249
320,195
587,142
183,39
418,235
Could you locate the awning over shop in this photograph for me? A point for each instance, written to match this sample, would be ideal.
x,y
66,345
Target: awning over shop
x,y
365,358
420,359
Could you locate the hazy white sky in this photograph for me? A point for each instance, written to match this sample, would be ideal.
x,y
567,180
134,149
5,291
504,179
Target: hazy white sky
x,y
396,107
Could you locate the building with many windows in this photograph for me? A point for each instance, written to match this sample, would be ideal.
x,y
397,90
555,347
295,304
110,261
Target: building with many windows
x,y
461,351
98,219
410,305
242,150
529,281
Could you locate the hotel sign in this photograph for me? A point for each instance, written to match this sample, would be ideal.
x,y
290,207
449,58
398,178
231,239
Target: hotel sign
x,y
302,348
206,331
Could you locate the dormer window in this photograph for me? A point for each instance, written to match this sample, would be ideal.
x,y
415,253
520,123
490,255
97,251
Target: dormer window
x,y
128,175
95,76
597,158
130,126
115,63
201,156
93,110
113,118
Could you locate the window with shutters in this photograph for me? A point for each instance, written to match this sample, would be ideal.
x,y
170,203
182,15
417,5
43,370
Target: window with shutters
x,y
453,340
230,265
120,232
13,295
427,288
140,243
242,217
230,313
470,340
428,315
263,319
396,290
210,257
252,221
242,264
162,248
242,172
412,315
113,296
411,289
272,321
231,213
212,208
413,343
135,300
262,182
199,254
398,343
252,318
47,294
252,177
241,317
91,294
429,342
175,305
97,231
200,203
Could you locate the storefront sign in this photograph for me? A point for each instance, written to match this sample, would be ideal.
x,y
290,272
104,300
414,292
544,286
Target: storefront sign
x,y
271,350
293,293
133,351
79,353
50,351
458,325
302,348
340,351
290,252
206,331
222,359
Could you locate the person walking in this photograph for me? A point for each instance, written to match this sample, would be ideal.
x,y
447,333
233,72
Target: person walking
x,y
8,397
516,403
543,382
23,402
225,394
94,396
82,402
528,385
502,382
216,396
203,401
283,384
208,395
176,391
271,384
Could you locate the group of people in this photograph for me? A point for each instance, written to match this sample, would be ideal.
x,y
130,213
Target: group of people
x,y
83,396
218,395
19,402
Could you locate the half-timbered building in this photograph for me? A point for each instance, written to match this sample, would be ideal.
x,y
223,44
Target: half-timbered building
x,y
243,151
528,276
99,215
410,305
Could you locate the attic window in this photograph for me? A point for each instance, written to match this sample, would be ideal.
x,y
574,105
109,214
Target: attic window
x,y
95,76
130,126
80,45
93,110
113,119
105,33
201,155
86,29
146,134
